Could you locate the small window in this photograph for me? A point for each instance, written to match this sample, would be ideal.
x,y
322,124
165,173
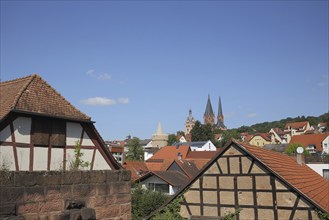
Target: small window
x,y
160,187
326,173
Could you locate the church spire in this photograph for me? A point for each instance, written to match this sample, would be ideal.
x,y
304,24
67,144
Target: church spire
x,y
208,111
220,116
220,111
209,116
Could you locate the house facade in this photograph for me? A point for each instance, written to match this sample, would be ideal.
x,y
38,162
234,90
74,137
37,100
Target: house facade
x,y
257,181
40,130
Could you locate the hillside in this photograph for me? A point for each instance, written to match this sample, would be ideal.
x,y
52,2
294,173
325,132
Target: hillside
x,y
266,126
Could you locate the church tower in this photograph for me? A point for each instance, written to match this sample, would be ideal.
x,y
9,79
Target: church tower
x,y
209,116
189,124
159,139
220,117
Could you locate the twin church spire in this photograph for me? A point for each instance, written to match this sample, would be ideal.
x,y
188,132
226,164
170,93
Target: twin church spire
x,y
208,117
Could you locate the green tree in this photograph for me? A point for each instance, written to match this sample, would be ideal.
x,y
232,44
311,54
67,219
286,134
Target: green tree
x,y
145,201
292,149
135,150
171,211
227,136
201,132
171,139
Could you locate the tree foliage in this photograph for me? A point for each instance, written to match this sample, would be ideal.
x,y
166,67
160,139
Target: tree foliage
x,y
171,139
227,136
145,201
292,149
201,132
170,212
135,150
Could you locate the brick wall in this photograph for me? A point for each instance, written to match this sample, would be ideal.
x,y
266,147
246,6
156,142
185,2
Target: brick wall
x,y
47,195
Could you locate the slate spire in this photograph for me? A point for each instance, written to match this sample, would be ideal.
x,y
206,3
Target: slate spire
x,y
209,111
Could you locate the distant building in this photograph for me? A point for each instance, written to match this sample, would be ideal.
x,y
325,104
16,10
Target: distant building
x,y
159,139
209,116
297,128
189,124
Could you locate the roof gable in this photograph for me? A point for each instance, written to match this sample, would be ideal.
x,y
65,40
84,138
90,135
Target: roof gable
x,y
300,180
296,125
310,139
170,152
32,94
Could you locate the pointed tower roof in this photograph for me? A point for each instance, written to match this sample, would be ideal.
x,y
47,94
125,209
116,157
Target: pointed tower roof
x,y
159,129
209,111
220,111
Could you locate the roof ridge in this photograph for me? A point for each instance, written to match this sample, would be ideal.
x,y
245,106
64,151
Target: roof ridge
x,y
62,97
19,95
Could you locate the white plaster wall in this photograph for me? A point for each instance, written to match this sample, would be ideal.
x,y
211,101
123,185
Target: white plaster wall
x,y
318,167
153,179
73,133
209,146
100,163
5,134
57,157
147,155
22,129
23,155
7,158
69,158
325,145
86,140
87,156
40,159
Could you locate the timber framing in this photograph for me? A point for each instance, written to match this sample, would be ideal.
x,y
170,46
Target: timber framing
x,y
249,178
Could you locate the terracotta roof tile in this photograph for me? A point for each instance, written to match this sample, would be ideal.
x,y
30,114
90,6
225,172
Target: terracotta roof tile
x,y
170,152
301,177
32,94
137,168
296,125
310,139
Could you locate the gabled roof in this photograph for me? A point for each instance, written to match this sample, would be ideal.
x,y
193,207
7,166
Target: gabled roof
x,y
137,168
278,131
32,94
170,152
265,136
296,125
310,139
174,178
300,177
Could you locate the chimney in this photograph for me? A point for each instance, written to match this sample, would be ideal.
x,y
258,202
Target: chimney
x,y
179,155
299,159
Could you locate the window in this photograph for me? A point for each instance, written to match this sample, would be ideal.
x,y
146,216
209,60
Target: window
x,y
160,187
43,127
326,173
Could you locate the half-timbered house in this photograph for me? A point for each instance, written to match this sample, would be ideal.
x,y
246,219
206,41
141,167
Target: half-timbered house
x,y
40,129
262,183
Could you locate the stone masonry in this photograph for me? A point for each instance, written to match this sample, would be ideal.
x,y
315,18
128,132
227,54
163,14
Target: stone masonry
x,y
49,195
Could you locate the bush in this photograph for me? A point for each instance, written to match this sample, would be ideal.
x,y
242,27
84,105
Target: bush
x,y
145,201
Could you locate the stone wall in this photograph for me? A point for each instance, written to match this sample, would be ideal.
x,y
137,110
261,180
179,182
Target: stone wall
x,y
53,195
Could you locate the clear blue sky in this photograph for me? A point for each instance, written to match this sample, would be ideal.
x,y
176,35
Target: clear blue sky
x,y
153,61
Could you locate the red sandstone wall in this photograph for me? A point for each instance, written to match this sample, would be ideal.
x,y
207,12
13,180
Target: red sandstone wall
x,y
45,195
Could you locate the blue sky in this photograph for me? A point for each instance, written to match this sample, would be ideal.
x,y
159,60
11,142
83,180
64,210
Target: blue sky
x,y
131,64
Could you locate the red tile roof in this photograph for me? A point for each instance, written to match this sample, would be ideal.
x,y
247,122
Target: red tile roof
x,y
32,94
296,125
310,139
137,168
170,152
116,149
201,154
301,177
